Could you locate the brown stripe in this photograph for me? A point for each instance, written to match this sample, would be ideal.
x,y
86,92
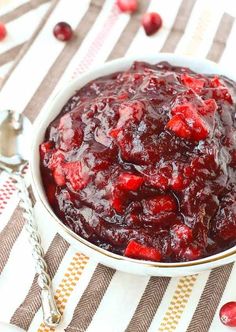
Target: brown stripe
x,y
179,26
221,37
21,10
148,304
91,298
211,296
31,40
129,32
58,68
9,235
10,55
24,315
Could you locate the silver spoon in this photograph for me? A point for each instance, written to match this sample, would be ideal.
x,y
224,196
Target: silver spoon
x,y
15,135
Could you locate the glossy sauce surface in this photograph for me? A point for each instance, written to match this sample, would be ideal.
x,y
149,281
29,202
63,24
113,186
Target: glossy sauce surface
x,y
143,163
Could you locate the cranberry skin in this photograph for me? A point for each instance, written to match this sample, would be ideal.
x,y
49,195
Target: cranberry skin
x,y
3,31
63,31
228,314
151,23
127,6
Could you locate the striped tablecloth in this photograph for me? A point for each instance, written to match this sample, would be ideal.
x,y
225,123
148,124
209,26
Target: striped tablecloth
x,y
33,67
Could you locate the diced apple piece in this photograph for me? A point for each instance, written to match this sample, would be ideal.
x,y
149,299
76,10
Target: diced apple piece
x,y
181,233
179,127
192,82
128,181
158,204
76,175
140,251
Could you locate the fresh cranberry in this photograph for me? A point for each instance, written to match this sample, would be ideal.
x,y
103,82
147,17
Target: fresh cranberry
x,y
128,6
3,31
228,314
151,23
63,31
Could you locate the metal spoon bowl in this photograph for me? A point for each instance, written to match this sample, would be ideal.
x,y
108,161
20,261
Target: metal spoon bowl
x,y
15,133
15,138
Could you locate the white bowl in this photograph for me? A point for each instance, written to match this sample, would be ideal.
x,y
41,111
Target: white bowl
x,y
105,257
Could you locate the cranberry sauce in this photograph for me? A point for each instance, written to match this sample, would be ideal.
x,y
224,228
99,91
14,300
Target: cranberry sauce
x,y
143,163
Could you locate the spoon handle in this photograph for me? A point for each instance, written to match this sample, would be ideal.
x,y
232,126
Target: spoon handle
x,y
51,315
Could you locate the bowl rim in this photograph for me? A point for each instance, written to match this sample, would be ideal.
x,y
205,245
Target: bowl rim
x,y
71,86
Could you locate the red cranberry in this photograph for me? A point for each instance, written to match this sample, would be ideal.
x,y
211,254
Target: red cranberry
x,y
3,31
228,314
151,23
128,6
63,31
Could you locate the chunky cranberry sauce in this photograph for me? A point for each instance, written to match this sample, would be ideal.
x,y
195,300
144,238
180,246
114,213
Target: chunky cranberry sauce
x,y
143,163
